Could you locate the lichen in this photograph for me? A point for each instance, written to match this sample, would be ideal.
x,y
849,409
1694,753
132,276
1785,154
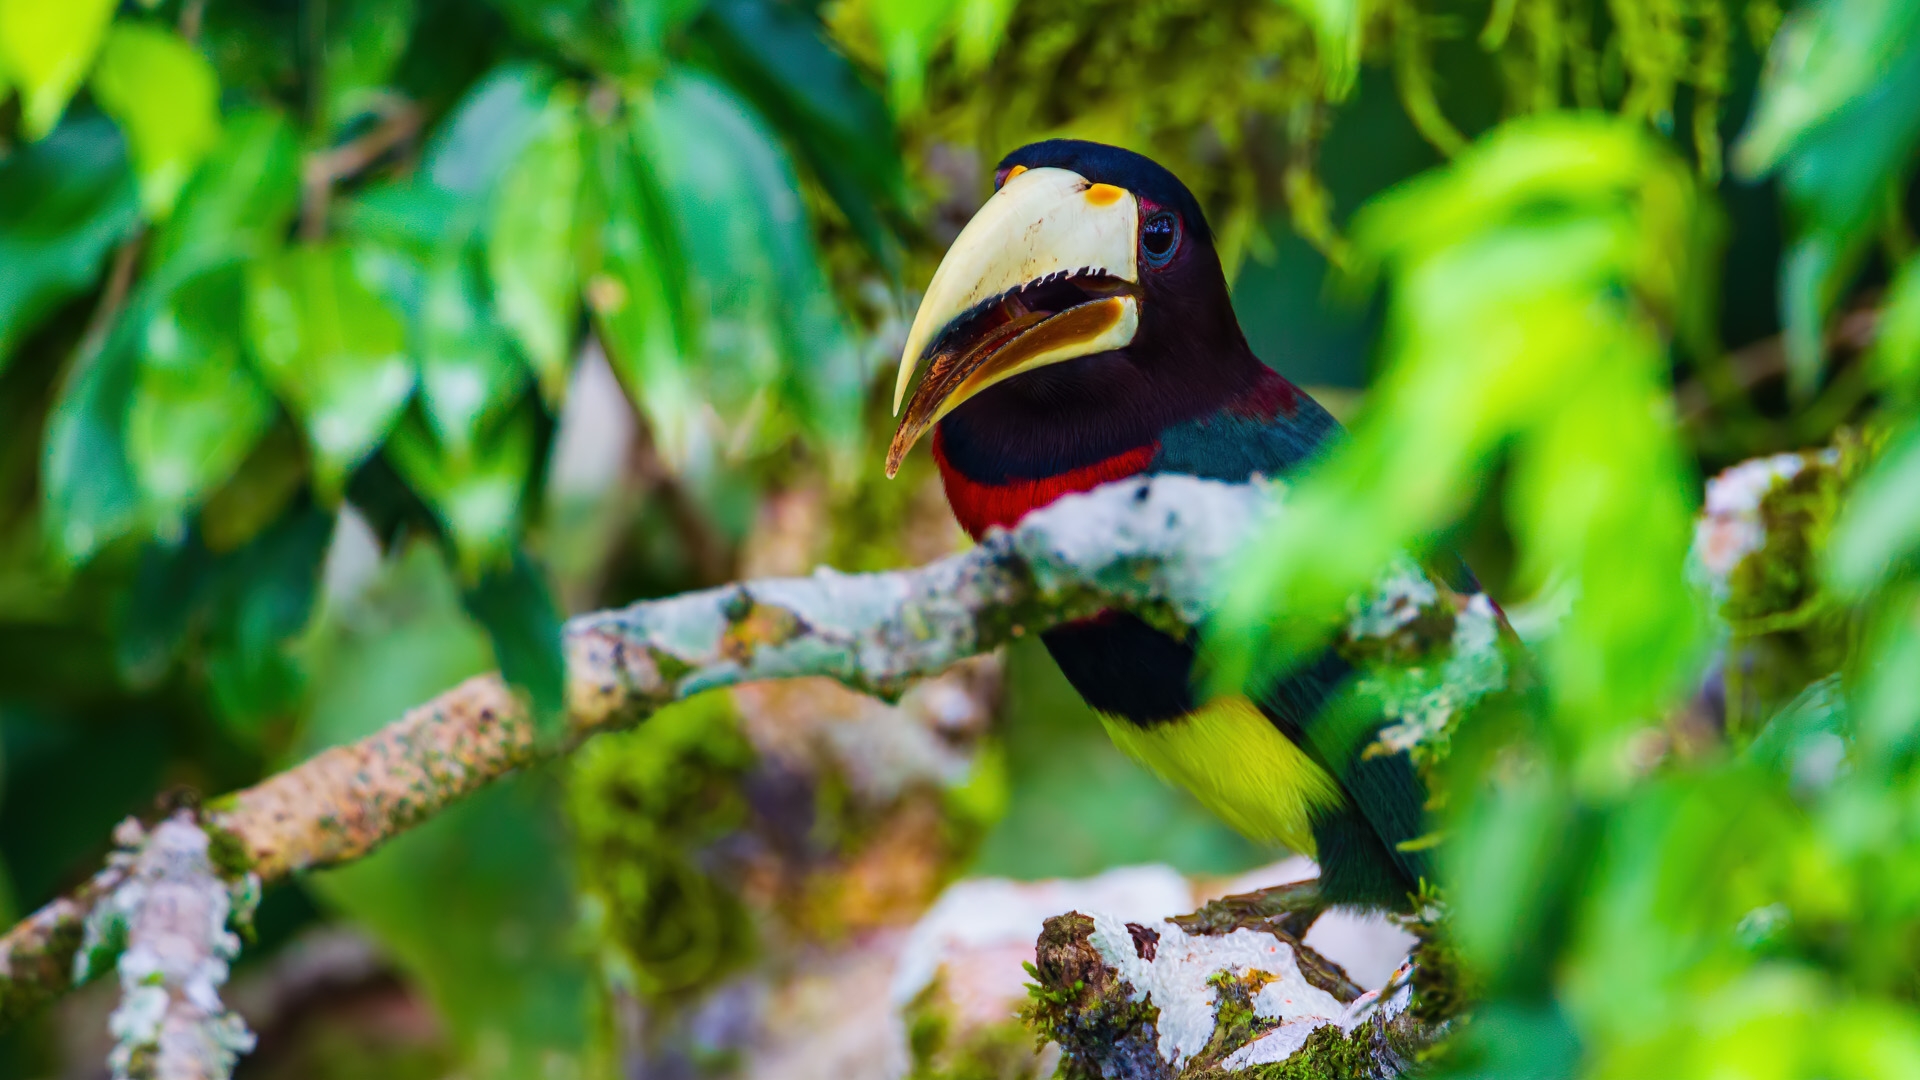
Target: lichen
x,y
168,921
31,975
1401,620
1237,1018
754,626
1180,972
1427,657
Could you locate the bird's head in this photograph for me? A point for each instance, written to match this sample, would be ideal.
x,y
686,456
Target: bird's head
x,y
1088,277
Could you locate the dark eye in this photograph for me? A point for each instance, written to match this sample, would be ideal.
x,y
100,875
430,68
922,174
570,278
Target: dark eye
x,y
1159,239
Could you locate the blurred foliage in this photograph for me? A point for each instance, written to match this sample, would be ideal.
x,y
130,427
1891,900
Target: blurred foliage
x,y
303,417
1642,877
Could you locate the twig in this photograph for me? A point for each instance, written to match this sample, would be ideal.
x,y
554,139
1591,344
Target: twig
x,y
1751,365
192,14
114,296
707,551
323,170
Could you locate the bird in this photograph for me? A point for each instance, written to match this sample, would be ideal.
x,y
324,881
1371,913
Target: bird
x,y
1079,330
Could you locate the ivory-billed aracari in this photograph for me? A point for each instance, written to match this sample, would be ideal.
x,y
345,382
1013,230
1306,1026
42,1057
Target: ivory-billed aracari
x,y
1079,331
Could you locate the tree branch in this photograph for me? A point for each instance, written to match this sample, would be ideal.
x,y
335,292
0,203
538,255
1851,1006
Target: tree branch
x,y
1149,546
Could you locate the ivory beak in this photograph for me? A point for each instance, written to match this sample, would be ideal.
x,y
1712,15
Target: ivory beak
x,y
972,329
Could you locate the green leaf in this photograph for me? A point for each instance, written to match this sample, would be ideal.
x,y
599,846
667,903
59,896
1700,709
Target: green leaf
x,y
264,485
417,217
266,601
778,57
634,279
197,407
64,203
760,318
530,246
167,99
171,587
1825,60
87,484
909,32
1895,359
515,605
46,49
253,603
332,350
365,40
1881,522
468,371
1886,710
1834,119
489,129
1536,282
476,497
619,39
240,204
1337,33
1516,843
982,29
1814,719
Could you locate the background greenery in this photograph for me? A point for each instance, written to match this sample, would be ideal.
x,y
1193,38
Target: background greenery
x,y
303,417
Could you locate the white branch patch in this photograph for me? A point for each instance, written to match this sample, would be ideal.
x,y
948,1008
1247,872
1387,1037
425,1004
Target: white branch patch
x,y
1175,980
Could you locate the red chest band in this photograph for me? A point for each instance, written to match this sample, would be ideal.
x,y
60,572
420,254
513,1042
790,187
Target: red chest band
x,y
979,506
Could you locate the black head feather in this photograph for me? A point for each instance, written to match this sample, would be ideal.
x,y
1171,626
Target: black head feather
x,y
1105,164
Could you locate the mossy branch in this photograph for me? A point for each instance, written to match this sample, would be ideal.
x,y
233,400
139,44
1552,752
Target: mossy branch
x,y
1149,546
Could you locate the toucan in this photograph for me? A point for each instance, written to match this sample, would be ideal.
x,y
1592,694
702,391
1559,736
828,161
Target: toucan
x,y
1080,331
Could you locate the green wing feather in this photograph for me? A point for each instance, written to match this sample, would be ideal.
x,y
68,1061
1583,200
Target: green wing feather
x,y
1387,796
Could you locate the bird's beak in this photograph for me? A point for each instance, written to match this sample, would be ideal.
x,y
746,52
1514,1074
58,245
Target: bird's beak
x,y
1045,272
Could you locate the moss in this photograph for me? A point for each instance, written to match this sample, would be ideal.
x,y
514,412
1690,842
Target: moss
x,y
643,804
1421,627
142,1063
1443,985
35,979
228,853
1077,1002
1328,1054
1235,1023
1001,1051
1786,630
1797,514
96,953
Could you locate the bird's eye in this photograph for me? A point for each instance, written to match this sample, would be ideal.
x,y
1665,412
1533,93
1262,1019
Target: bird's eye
x,y
1159,239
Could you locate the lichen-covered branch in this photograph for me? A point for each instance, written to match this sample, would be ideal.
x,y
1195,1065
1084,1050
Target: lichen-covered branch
x,y
164,926
1148,546
1211,997
1151,546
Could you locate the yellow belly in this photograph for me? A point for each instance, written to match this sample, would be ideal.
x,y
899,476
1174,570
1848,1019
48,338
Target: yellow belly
x,y
1239,765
